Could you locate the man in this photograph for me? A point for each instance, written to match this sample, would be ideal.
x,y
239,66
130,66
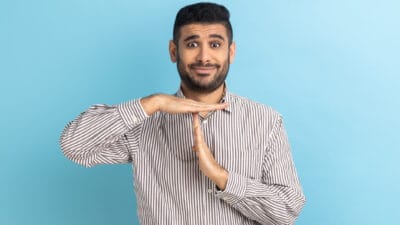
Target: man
x,y
203,155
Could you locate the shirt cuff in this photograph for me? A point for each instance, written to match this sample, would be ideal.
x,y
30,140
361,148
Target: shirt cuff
x,y
132,113
235,189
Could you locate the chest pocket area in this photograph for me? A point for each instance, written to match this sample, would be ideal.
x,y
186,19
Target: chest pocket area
x,y
245,160
177,132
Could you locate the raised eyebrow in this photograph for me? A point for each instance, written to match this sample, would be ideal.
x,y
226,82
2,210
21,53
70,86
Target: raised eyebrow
x,y
191,37
195,36
217,36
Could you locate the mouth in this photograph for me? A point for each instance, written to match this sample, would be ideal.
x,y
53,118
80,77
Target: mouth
x,y
203,70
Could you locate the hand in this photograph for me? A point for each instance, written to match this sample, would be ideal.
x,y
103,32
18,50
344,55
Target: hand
x,y
171,104
207,162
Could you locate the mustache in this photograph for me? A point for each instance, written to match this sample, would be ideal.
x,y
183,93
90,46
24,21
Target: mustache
x,y
199,64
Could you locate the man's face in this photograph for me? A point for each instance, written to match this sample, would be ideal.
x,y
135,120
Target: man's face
x,y
203,56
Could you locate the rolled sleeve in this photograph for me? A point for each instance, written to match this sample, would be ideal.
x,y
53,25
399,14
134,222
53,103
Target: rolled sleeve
x,y
235,189
132,113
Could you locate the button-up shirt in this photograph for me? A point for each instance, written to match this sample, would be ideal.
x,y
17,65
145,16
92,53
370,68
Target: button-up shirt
x,y
247,139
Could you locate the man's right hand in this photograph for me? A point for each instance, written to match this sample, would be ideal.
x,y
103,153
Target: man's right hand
x,y
172,104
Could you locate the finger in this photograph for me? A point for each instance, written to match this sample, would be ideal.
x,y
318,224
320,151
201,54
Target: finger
x,y
197,134
212,106
203,107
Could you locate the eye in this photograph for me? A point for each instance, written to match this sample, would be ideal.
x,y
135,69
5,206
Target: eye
x,y
192,44
215,44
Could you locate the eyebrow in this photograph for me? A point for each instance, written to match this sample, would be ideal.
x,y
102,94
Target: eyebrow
x,y
195,36
217,36
191,37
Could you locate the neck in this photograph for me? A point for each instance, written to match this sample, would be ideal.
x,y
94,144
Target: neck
x,y
210,98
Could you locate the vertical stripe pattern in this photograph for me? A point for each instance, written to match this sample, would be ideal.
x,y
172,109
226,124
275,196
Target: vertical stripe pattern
x,y
248,139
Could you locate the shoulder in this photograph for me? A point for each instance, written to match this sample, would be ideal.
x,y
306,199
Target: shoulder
x,y
251,107
261,118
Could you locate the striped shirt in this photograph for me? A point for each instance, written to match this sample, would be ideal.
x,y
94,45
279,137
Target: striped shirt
x,y
247,139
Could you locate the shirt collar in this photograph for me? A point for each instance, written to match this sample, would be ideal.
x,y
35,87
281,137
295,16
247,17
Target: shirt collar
x,y
226,98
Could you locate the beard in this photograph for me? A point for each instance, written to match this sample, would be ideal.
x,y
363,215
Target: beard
x,y
195,85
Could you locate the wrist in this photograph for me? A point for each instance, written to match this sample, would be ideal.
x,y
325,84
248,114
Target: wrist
x,y
150,104
221,179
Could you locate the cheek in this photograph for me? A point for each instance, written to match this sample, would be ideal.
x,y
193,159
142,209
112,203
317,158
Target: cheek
x,y
222,56
188,56
182,63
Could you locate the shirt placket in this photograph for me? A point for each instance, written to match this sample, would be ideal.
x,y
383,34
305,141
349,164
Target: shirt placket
x,y
209,186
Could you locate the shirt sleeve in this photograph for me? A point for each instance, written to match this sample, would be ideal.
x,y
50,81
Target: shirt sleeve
x,y
277,198
99,135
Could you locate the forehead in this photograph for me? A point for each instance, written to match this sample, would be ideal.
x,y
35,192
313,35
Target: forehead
x,y
203,30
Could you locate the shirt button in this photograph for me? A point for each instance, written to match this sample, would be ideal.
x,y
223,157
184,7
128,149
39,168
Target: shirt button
x,y
204,121
210,191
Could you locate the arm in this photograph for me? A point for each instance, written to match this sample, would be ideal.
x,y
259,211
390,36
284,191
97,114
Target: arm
x,y
278,198
99,135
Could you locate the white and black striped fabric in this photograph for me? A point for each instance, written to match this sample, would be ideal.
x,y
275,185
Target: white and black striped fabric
x,y
247,139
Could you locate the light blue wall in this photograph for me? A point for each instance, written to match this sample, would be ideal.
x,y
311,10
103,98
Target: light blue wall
x,y
330,67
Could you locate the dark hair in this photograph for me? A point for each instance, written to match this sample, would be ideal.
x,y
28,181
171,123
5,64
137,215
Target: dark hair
x,y
203,13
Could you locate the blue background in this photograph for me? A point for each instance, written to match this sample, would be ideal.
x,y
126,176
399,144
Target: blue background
x,y
330,67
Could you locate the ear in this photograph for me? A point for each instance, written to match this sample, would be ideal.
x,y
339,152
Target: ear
x,y
232,52
173,51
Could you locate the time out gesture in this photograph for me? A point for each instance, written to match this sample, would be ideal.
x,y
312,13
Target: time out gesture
x,y
173,105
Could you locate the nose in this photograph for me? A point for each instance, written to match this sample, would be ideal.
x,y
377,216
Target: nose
x,y
203,55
